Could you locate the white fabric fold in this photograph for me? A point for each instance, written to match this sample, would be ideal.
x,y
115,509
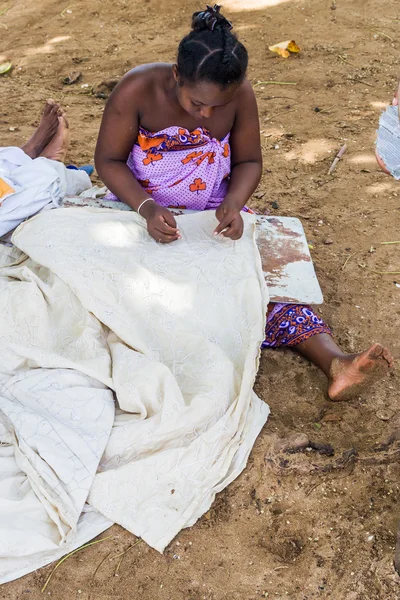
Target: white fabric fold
x,y
174,331
34,185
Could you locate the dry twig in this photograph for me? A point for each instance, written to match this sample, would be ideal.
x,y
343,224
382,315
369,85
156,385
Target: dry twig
x,y
274,83
337,158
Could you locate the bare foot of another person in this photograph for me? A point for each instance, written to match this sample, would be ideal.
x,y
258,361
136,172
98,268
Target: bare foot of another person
x,y
46,131
353,374
381,163
58,146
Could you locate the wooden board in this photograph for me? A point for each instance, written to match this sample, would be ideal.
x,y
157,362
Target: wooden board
x,y
287,264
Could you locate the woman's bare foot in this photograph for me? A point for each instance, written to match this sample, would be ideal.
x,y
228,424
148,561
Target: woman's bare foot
x,y
46,131
58,146
351,375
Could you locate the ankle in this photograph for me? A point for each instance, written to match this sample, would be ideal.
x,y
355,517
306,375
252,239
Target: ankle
x,y
30,150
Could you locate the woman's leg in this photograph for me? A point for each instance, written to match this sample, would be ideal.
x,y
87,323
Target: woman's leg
x,y
298,327
348,374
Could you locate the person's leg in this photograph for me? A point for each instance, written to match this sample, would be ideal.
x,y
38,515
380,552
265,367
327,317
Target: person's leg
x,y
57,148
35,177
45,132
379,160
299,328
381,163
348,374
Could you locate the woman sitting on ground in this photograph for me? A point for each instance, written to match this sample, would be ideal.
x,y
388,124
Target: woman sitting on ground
x,y
187,135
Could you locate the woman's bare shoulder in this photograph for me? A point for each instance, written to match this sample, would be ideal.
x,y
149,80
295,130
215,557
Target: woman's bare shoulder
x,y
138,86
145,76
246,91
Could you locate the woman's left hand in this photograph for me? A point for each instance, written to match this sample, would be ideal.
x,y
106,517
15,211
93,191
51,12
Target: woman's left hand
x,y
230,221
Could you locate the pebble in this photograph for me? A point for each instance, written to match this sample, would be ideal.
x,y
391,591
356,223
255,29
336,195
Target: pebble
x,y
275,205
384,414
328,242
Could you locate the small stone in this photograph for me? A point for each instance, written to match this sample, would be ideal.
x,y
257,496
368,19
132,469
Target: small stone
x,y
328,242
317,109
275,204
276,147
384,414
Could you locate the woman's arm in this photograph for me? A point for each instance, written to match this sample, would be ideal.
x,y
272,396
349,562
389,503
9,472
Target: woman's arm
x,y
118,133
246,163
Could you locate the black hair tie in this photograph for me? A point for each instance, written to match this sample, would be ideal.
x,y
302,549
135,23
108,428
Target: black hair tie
x,y
212,17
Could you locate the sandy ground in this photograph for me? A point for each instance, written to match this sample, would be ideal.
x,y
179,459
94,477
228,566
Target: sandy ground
x,y
300,526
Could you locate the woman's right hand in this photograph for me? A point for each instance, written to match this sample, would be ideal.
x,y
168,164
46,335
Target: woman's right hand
x,y
161,223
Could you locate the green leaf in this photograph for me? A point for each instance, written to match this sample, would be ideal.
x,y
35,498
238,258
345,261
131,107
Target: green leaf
x,y
5,68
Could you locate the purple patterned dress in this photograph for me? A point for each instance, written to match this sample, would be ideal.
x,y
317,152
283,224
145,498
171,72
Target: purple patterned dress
x,y
190,170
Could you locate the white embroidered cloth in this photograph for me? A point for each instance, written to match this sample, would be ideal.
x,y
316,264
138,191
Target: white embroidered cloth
x,y
100,311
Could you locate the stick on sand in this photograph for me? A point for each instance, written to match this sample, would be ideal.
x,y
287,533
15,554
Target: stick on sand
x,y
337,158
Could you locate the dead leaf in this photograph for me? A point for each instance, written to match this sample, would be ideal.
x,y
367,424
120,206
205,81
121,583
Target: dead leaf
x,y
104,89
285,48
295,442
72,78
5,68
331,417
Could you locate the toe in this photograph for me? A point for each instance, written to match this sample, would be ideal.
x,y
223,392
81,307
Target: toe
x,y
388,357
375,352
54,110
47,109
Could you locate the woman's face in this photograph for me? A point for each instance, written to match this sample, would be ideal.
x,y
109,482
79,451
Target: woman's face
x,y
202,98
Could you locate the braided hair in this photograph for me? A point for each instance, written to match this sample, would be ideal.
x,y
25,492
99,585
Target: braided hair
x,y
211,51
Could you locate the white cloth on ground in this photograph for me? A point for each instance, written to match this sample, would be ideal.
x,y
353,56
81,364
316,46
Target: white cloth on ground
x,y
35,184
173,330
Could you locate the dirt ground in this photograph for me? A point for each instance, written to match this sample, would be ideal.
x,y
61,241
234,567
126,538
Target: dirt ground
x,y
299,526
